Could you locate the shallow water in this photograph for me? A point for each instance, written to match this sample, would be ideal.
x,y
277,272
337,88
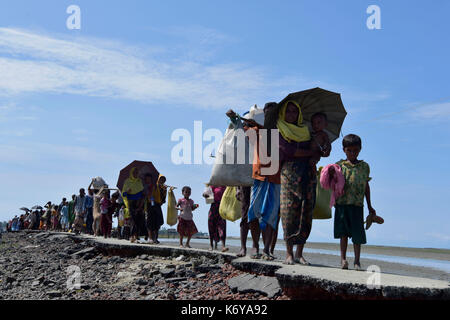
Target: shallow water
x,y
429,263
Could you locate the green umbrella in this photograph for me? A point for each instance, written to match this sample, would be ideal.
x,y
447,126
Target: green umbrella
x,y
312,101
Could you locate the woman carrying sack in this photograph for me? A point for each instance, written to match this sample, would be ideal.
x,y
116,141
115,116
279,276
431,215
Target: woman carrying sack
x,y
217,226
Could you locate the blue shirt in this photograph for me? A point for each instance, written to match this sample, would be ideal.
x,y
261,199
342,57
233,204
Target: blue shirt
x,y
89,202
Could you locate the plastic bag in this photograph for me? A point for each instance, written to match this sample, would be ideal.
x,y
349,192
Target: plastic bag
x,y
172,212
322,208
230,207
209,199
233,165
256,114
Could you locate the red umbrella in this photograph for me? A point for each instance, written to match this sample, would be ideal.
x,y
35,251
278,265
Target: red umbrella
x,y
142,168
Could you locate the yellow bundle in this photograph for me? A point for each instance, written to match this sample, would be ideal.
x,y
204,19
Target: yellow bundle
x,y
230,208
172,212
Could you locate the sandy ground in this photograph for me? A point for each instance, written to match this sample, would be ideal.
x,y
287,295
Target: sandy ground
x,y
385,267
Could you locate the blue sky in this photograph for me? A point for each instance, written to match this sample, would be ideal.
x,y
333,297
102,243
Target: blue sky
x,y
75,104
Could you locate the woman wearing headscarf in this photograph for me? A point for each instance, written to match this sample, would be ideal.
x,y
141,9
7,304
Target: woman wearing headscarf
x,y
297,192
217,226
132,191
154,217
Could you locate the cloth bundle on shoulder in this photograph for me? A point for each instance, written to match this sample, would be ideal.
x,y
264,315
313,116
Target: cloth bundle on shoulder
x,y
209,199
230,207
322,209
172,212
234,157
336,185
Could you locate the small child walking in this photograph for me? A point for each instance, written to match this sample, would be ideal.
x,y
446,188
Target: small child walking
x,y
186,226
349,213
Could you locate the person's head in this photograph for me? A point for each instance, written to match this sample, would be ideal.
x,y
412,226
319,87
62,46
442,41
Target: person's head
x,y
161,180
105,194
123,206
82,192
133,173
319,121
91,192
73,197
269,106
115,196
352,146
291,114
186,191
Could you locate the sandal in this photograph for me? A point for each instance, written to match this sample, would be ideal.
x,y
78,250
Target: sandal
x,y
304,262
369,221
255,256
241,254
267,257
357,267
378,219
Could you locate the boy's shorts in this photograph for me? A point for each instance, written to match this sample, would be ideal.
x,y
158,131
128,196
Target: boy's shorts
x,y
349,222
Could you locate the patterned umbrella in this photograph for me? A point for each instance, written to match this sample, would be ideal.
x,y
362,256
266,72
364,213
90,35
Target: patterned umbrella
x,y
142,167
312,101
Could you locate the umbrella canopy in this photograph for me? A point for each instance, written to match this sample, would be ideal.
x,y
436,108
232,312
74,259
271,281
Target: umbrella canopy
x,y
25,209
319,100
142,168
37,207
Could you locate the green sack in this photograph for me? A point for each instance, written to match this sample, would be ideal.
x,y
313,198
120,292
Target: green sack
x,y
322,208
230,207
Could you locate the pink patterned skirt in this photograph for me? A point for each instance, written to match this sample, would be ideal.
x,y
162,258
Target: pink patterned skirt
x,y
186,228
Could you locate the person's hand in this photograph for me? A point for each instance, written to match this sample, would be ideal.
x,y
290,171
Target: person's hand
x,y
129,191
231,114
372,211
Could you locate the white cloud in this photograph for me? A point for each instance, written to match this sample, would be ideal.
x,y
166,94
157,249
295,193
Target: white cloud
x,y
440,111
32,62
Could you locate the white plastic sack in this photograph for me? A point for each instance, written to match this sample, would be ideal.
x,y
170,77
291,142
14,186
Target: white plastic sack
x,y
233,165
256,114
209,199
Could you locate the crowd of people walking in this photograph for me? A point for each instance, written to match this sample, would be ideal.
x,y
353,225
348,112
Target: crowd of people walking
x,y
288,196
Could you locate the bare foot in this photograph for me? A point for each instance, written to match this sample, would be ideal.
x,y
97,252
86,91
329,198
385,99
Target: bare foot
x,y
242,253
357,267
225,249
289,260
187,246
344,264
